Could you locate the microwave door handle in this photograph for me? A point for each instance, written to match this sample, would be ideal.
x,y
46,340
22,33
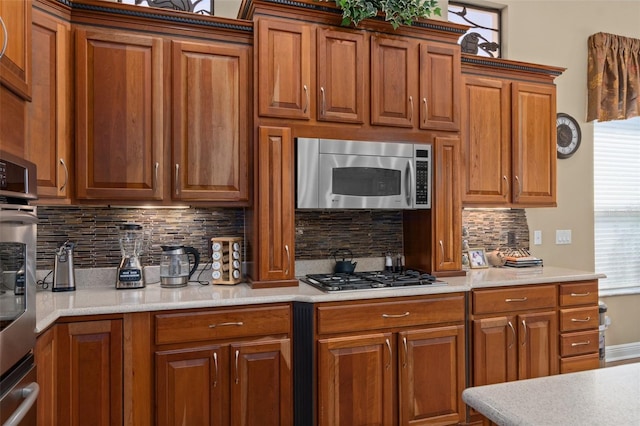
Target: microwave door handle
x,y
409,184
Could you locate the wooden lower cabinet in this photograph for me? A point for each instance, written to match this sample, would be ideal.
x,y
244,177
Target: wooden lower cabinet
x,y
80,370
244,383
224,367
579,326
410,372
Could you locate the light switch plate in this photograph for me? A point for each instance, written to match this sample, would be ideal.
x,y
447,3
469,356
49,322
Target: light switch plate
x,y
537,237
563,236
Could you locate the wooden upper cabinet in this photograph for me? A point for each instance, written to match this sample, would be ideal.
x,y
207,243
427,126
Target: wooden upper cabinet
x,y
509,136
394,81
276,204
342,70
284,69
210,121
440,86
50,111
534,144
119,115
447,209
15,32
486,137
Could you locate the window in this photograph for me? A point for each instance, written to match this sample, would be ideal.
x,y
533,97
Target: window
x,y
483,38
196,6
617,203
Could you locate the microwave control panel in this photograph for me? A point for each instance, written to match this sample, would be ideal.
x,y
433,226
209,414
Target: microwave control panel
x,y
423,177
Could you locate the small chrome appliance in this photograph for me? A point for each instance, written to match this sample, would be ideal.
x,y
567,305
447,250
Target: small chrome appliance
x,y
176,267
64,274
132,241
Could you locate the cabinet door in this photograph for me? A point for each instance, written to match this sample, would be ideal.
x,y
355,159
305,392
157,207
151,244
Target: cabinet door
x,y
439,86
15,64
495,350
486,133
446,206
275,204
341,75
47,371
284,69
192,386
394,80
119,122
432,375
534,144
261,383
90,373
355,380
51,109
538,345
210,121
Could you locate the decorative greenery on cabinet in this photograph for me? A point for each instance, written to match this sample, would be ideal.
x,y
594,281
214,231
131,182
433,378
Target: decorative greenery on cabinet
x,y
396,12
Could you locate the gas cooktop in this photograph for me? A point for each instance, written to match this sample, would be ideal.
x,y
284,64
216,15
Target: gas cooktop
x,y
371,280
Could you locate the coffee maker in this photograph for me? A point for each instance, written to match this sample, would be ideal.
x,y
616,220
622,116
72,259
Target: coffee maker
x,y
130,274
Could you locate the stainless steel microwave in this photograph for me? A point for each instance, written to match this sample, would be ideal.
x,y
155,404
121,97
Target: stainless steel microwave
x,y
345,174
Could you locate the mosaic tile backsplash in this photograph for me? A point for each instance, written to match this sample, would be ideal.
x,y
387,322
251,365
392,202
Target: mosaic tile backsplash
x,y
367,233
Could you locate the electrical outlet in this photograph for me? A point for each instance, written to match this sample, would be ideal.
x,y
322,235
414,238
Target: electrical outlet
x,y
563,236
537,237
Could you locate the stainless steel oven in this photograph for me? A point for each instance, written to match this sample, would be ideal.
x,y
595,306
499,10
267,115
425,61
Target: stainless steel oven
x,y
18,228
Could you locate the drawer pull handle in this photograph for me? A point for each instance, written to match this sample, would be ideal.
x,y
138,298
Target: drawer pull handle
x,y
522,299
587,319
390,353
406,314
580,294
581,343
223,324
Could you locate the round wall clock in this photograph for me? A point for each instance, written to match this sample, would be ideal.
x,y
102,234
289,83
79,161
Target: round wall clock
x,y
569,135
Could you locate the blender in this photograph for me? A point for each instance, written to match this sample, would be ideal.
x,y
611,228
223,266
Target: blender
x,y
131,245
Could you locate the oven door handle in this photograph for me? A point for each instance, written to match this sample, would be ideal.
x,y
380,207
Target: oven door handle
x,y
30,394
17,216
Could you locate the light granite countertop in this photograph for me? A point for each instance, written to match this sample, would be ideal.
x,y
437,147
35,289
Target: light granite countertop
x,y
606,396
96,293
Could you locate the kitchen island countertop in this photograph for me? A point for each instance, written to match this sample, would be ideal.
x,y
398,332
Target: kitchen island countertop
x,y
606,396
96,293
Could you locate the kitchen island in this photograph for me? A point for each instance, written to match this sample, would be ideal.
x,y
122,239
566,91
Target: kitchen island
x,y
606,396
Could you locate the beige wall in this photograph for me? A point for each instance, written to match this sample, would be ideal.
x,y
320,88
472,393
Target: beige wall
x,y
556,33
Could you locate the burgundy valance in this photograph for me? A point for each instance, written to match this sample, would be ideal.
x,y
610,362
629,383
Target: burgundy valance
x,y
613,77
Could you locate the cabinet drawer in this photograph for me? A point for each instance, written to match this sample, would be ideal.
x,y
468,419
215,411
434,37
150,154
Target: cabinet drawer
x,y
580,343
371,315
579,363
513,299
579,318
580,293
221,324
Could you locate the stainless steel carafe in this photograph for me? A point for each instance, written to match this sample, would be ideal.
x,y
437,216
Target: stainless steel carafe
x,y
64,275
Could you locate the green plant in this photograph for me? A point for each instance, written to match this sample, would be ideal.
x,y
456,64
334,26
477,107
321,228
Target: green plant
x,y
396,12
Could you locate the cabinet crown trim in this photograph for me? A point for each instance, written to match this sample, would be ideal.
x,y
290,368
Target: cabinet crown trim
x,y
151,13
